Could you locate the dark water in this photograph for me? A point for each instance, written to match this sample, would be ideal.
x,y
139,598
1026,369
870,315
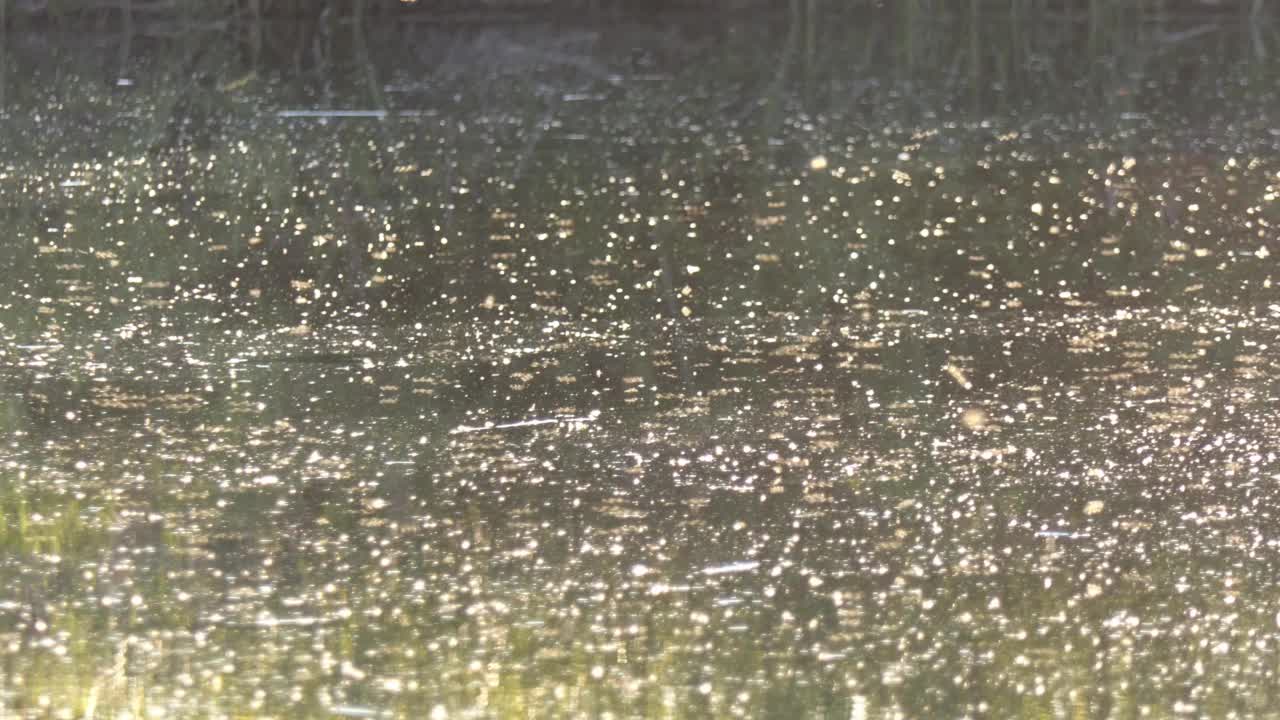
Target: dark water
x,y
916,362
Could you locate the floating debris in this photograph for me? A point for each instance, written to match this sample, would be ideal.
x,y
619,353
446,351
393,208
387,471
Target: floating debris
x,y
958,376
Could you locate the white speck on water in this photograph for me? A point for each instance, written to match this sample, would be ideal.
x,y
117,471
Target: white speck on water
x,y
858,711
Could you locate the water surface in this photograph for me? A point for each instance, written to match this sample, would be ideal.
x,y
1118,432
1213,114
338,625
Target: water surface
x,y
800,364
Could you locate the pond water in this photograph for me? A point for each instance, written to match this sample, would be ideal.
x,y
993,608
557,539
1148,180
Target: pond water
x,y
907,362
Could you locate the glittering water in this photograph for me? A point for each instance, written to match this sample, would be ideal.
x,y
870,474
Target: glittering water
x,y
645,370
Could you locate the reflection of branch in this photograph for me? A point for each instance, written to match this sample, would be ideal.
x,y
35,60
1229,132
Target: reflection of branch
x,y
1174,38
39,6
448,186
499,53
1255,36
523,55
540,128
176,29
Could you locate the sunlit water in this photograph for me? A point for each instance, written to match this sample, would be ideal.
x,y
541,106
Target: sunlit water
x,y
643,371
